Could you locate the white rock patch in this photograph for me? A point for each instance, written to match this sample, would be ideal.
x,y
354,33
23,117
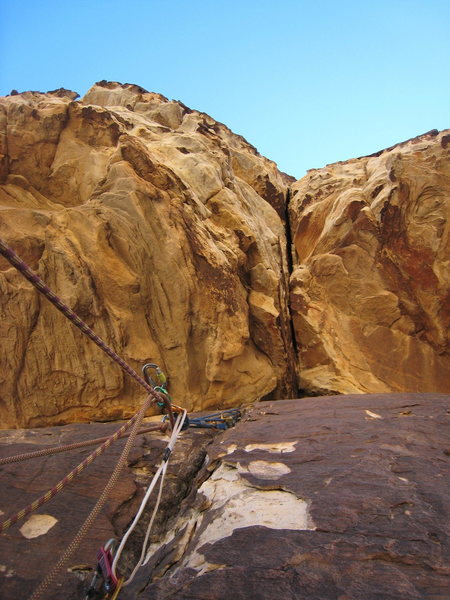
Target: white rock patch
x,y
264,469
37,525
372,415
238,505
275,447
6,571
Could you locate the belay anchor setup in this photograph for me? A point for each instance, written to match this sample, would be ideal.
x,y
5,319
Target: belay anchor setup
x,y
159,384
106,584
219,420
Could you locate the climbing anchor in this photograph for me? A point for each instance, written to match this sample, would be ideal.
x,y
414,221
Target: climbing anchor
x,y
159,384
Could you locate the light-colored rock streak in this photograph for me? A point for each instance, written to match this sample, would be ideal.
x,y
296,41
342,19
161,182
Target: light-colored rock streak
x,y
275,448
264,469
233,503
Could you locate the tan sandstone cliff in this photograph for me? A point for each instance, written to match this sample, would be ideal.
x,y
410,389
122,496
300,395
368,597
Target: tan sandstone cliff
x,y
162,229
370,291
167,233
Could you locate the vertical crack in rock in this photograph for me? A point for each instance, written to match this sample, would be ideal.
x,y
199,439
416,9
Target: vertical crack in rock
x,y
290,256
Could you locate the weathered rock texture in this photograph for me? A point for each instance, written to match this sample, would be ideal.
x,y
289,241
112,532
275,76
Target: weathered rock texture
x,y
163,231
339,497
370,292
166,233
30,549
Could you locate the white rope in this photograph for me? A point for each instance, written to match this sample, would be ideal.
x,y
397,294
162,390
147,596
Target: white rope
x,y
149,528
161,472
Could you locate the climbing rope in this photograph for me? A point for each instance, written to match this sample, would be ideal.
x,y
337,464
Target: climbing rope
x,y
222,420
106,583
55,450
98,507
21,514
37,282
160,473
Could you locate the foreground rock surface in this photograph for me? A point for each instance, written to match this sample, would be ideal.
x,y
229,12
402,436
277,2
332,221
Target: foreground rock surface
x,y
327,498
340,497
370,291
159,227
29,549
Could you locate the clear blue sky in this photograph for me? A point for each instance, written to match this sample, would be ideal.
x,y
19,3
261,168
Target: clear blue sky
x,y
306,82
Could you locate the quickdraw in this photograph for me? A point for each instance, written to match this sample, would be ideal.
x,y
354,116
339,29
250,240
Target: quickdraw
x,y
104,585
159,384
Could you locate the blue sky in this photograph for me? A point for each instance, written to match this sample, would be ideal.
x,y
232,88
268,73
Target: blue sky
x,y
306,82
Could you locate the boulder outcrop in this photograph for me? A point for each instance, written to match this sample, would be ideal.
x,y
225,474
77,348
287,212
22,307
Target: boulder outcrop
x,y
163,230
170,236
370,289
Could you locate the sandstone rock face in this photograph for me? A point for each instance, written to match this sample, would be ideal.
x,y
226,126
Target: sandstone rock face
x,y
324,498
370,291
166,233
163,230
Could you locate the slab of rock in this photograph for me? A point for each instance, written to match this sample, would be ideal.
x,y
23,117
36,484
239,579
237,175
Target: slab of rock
x,y
342,497
370,291
29,549
163,230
